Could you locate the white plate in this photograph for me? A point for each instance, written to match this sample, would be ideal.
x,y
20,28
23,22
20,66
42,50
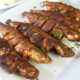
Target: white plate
x,y
9,6
47,71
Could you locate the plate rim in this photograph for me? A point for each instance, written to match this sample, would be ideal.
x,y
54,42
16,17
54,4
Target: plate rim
x,y
12,5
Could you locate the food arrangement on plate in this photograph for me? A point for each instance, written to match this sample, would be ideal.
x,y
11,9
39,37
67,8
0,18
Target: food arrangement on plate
x,y
34,40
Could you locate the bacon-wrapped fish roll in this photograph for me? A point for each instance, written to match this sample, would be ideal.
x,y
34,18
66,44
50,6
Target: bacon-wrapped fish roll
x,y
12,62
23,46
63,9
51,26
64,20
61,48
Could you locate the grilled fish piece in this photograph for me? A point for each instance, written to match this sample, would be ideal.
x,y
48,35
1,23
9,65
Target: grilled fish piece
x,y
9,66
64,20
23,46
34,34
63,9
61,48
12,62
51,26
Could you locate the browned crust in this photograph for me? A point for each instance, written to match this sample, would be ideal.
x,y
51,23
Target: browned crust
x,y
63,9
12,62
23,46
58,45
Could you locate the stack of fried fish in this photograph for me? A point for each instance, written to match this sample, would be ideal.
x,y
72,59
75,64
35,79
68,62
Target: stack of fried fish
x,y
34,40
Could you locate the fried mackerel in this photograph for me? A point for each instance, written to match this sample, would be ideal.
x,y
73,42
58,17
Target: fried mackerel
x,y
23,46
51,26
12,62
64,20
47,40
64,9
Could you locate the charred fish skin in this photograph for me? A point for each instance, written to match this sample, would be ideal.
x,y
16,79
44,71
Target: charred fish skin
x,y
23,46
5,62
63,19
34,34
63,47
48,38
64,9
52,26
12,62
26,28
26,69
42,22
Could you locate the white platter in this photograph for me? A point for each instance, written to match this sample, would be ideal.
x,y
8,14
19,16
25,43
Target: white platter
x,y
47,71
12,5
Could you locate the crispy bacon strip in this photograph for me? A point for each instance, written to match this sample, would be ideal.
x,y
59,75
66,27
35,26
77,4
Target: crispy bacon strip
x,y
12,62
23,46
64,9
64,20
61,49
51,26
